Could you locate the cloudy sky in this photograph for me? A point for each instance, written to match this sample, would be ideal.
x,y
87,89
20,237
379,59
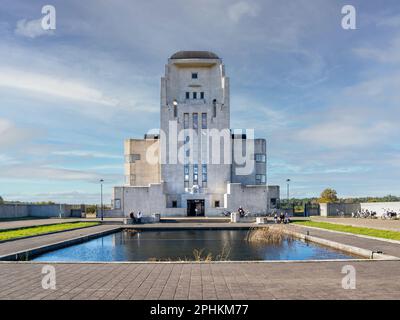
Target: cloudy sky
x,y
326,99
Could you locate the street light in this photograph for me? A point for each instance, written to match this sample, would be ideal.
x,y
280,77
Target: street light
x,y
287,181
101,198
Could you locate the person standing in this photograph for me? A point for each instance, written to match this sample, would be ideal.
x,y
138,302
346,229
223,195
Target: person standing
x,y
132,216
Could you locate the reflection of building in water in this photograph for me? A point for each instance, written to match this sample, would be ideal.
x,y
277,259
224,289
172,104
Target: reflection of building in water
x,y
196,164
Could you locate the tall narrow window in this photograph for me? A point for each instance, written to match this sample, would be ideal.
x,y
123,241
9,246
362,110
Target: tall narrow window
x,y
204,120
187,95
186,172
214,108
201,95
195,121
186,121
175,111
204,175
204,172
194,95
195,174
186,175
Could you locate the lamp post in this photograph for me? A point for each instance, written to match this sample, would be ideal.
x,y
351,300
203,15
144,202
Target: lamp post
x,y
287,181
101,198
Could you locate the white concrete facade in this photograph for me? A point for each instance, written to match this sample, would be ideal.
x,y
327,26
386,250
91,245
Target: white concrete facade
x,y
197,172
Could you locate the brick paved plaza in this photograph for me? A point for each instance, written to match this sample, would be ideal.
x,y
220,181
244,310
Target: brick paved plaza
x,y
226,280
277,280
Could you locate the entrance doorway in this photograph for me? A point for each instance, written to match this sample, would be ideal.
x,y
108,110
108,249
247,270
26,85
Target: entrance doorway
x,y
192,205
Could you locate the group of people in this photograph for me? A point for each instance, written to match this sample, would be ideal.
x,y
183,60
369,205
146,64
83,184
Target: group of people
x,y
241,212
136,218
282,218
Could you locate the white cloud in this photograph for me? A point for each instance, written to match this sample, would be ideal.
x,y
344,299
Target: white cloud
x,y
393,21
31,28
389,54
55,86
86,154
338,134
11,135
240,9
47,173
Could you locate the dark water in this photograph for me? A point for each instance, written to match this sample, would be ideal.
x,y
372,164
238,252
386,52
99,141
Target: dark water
x,y
175,245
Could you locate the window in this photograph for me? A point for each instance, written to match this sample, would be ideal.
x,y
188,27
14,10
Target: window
x,y
216,204
186,172
174,204
195,174
188,153
214,108
175,111
195,75
204,175
201,95
195,120
194,95
117,204
260,157
204,120
187,95
204,172
187,139
186,121
260,178
273,201
131,158
130,179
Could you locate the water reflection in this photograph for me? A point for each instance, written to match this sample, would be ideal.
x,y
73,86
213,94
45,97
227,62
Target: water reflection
x,y
179,245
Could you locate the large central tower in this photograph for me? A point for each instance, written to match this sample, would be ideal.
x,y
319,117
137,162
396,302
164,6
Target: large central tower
x,y
194,102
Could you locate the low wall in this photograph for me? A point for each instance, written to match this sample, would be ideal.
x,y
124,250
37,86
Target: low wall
x,y
15,211
333,209
380,207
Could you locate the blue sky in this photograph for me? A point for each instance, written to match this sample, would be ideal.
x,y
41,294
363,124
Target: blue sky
x,y
326,99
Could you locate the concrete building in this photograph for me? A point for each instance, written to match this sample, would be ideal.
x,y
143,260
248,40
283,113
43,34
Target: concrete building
x,y
195,164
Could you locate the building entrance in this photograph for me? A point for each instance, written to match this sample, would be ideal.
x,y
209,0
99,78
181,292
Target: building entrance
x,y
195,208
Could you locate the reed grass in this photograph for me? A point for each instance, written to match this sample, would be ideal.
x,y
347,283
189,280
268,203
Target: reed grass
x,y
269,235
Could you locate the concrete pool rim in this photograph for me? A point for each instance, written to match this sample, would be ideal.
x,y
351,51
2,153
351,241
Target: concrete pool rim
x,y
24,255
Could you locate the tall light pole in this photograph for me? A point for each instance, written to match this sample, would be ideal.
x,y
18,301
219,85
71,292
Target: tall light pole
x,y
101,198
287,181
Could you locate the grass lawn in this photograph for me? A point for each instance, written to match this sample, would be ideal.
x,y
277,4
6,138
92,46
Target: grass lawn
x,y
35,231
386,234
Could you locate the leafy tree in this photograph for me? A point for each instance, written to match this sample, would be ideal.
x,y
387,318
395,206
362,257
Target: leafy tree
x,y
1,200
90,208
328,195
